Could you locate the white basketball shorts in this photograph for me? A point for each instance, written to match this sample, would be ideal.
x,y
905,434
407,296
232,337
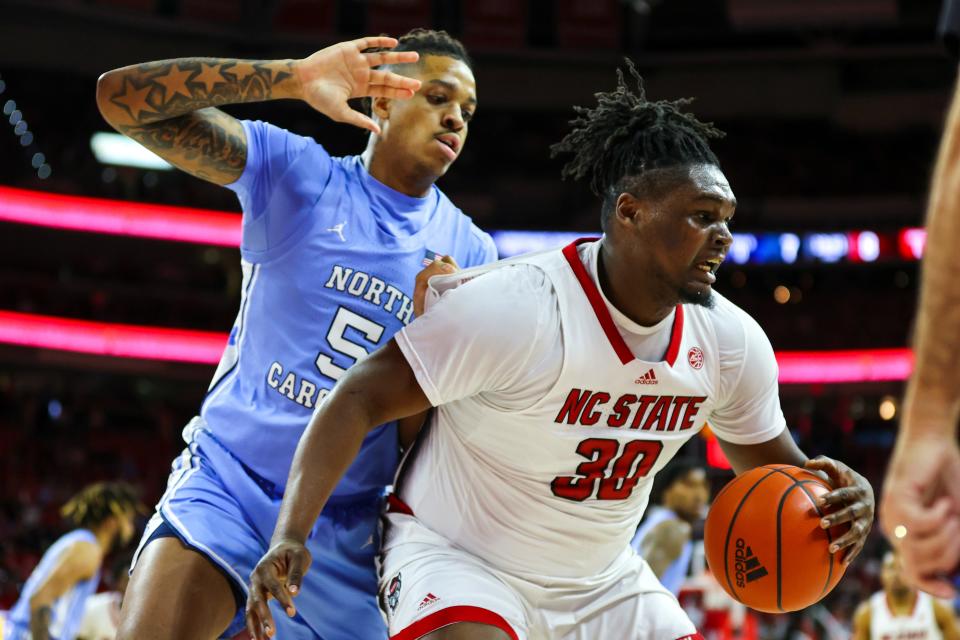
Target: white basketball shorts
x,y
426,583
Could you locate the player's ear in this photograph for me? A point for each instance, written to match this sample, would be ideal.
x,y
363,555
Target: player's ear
x,y
629,209
380,108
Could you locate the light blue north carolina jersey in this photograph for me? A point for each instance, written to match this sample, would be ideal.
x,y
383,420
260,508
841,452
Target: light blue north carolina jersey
x,y
67,610
329,258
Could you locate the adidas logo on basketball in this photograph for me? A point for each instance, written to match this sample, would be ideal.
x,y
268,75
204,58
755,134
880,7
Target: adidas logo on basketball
x,y
430,600
648,378
746,565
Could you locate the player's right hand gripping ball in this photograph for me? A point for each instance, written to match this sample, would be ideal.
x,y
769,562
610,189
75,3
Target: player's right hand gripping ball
x,y
764,542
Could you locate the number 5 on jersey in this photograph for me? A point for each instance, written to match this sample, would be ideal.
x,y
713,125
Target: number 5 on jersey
x,y
633,463
336,338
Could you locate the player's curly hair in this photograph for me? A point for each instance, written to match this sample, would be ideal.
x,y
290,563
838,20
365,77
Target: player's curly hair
x,y
431,42
98,502
617,143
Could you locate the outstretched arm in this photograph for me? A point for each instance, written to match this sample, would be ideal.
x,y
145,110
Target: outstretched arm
x,y
921,498
169,106
933,393
376,390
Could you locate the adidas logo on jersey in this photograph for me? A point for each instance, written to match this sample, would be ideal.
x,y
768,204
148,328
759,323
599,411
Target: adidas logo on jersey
x,y
746,564
429,601
648,378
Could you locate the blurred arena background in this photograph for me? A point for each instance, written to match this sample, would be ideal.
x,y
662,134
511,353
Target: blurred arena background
x,y
833,110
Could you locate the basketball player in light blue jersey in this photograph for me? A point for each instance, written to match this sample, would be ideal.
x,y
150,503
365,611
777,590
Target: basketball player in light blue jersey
x,y
51,603
330,250
664,538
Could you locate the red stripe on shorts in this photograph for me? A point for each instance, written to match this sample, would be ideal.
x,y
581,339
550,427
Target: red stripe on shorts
x,y
396,505
453,615
692,636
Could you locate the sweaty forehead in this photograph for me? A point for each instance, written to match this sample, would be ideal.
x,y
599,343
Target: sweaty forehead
x,y
708,180
704,182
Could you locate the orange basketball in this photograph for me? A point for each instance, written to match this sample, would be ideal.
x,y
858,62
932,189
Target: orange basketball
x,y
764,543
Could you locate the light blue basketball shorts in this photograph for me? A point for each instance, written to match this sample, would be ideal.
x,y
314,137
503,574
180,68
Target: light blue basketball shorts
x,y
218,507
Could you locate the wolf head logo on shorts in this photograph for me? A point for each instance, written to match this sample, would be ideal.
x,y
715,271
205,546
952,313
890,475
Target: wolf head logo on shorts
x,y
393,592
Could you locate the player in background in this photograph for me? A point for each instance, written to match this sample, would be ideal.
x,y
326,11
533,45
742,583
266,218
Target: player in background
x,y
562,381
101,616
51,604
665,537
900,612
920,510
330,249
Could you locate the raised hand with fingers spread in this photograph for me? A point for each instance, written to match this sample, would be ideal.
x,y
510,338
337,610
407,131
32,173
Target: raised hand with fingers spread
x,y
331,76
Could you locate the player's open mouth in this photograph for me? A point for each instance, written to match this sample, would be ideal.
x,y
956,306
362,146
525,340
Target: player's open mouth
x,y
708,268
450,144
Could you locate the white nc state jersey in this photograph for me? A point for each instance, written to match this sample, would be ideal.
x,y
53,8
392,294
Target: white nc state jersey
x,y
921,624
551,479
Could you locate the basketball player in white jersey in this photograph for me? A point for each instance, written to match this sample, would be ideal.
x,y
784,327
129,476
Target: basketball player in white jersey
x,y
900,612
562,382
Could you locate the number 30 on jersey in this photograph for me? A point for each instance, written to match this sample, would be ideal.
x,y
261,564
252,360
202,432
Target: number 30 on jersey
x,y
634,461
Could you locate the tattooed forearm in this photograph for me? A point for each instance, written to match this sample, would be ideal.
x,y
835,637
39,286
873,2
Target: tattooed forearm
x,y
209,144
154,91
167,106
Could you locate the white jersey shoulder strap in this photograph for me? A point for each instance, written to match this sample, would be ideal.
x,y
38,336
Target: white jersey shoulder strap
x,y
548,260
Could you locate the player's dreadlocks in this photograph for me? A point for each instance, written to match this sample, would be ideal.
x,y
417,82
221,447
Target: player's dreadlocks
x,y
618,144
97,502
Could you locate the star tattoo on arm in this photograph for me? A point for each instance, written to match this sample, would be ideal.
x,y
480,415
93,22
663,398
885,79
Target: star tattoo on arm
x,y
134,99
170,107
174,82
167,89
210,76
